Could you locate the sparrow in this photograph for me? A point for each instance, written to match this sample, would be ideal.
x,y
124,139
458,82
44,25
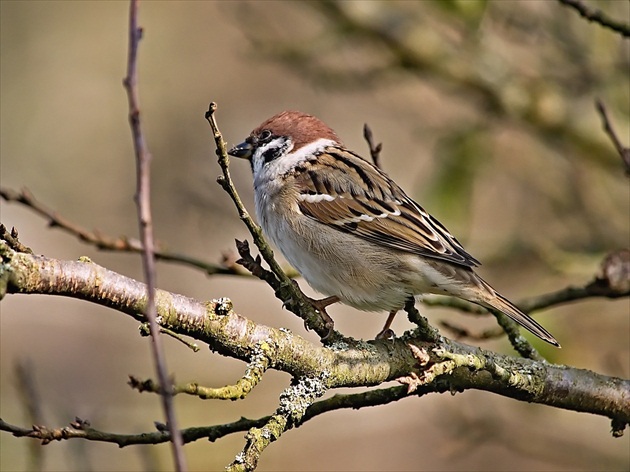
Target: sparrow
x,y
350,230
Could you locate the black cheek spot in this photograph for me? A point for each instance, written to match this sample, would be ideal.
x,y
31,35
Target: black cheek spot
x,y
271,154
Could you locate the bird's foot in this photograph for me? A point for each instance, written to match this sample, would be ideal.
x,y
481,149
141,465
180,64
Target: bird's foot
x,y
387,332
320,306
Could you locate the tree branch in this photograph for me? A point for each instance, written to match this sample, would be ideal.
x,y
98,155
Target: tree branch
x,y
624,152
347,364
256,367
294,402
80,429
597,16
104,242
375,149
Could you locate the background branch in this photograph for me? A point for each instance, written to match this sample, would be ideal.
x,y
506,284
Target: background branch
x,y
597,16
32,399
108,243
624,152
375,149
145,220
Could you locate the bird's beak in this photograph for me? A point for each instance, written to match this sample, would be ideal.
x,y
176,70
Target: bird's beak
x,y
242,151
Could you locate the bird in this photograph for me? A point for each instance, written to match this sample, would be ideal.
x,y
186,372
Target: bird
x,y
352,232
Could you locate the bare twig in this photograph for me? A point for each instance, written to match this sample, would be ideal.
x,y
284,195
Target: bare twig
x,y
12,239
460,332
375,149
597,16
256,367
518,341
145,330
108,243
143,201
29,394
426,331
80,429
624,152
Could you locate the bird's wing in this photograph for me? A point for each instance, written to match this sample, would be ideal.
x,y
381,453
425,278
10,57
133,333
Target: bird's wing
x,y
355,197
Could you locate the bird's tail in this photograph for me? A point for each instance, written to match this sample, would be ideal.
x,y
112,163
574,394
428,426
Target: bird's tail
x,y
506,307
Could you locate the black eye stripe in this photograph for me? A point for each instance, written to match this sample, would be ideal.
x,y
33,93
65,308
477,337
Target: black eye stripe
x,y
271,154
274,150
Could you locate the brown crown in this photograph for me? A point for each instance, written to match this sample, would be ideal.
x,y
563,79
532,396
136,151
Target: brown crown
x,y
300,127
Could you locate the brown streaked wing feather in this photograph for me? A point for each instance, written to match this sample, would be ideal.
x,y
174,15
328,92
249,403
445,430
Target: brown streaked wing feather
x,y
407,227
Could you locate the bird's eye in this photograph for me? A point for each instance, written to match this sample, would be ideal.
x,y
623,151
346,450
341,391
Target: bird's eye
x,y
265,136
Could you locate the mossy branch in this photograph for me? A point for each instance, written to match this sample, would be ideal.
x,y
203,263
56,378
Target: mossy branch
x,y
345,364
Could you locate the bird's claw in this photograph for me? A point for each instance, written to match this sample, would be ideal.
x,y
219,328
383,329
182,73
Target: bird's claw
x,y
386,334
320,308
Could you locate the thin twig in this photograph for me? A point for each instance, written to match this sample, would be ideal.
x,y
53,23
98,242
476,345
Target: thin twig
x,y
105,242
226,182
518,341
80,429
375,149
256,367
624,152
597,16
145,330
13,240
143,201
30,396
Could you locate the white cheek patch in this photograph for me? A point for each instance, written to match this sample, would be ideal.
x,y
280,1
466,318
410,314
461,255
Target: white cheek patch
x,y
287,162
258,159
292,159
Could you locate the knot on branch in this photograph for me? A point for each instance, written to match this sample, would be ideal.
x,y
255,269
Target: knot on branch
x,y
613,279
223,306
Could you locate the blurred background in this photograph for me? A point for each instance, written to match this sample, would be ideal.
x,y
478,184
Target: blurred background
x,y
487,118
